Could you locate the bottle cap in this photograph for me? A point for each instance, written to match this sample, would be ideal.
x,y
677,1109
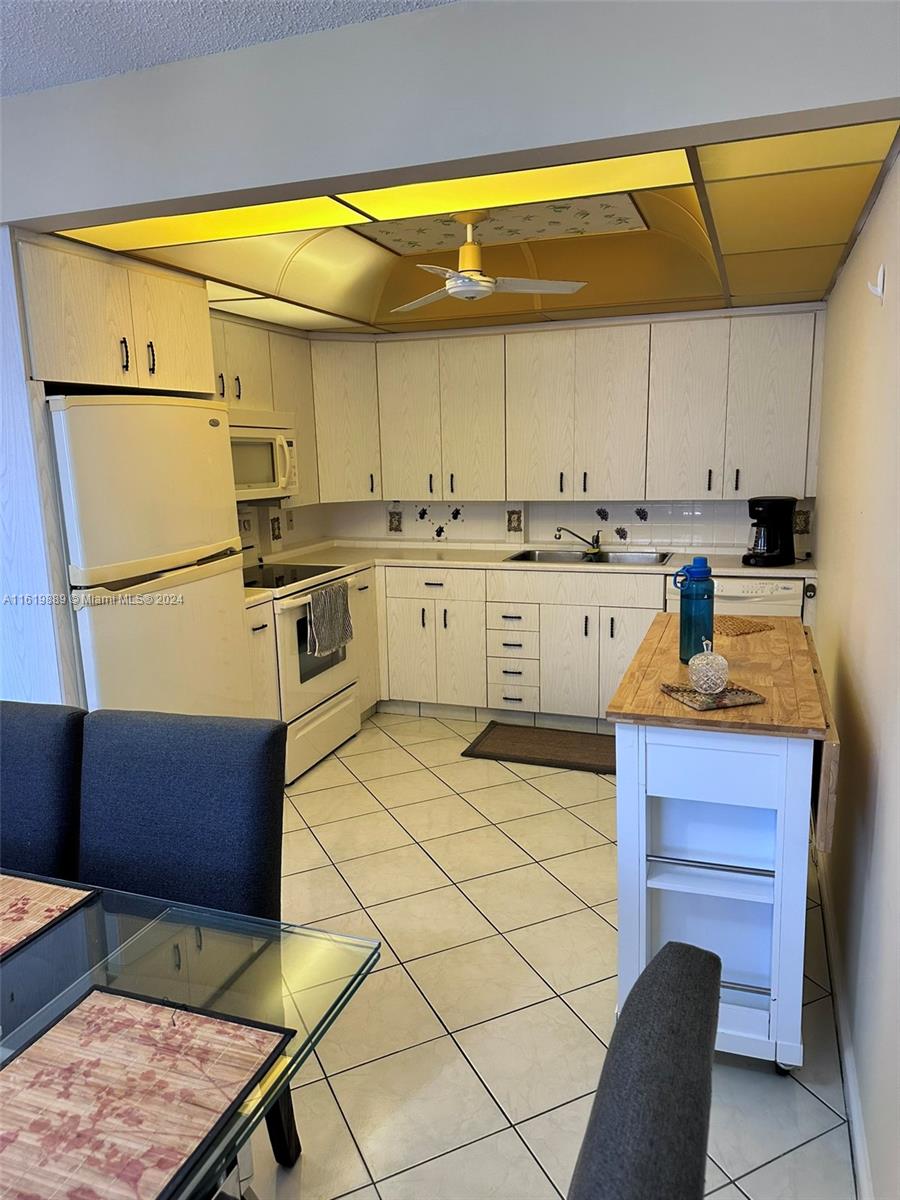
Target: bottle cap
x,y
698,569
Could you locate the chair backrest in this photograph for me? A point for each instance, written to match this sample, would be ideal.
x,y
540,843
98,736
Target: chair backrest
x,y
40,786
186,808
649,1125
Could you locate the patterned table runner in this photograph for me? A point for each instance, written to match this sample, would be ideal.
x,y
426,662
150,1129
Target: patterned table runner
x,y
114,1101
27,906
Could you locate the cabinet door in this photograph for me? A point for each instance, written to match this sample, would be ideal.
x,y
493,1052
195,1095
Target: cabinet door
x,y
220,365
248,374
171,328
260,625
461,652
686,421
540,413
612,371
473,417
292,391
570,639
78,315
769,372
346,391
409,407
411,653
365,638
621,632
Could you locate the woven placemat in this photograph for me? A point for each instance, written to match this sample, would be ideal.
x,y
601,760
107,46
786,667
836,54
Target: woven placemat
x,y
738,626
731,697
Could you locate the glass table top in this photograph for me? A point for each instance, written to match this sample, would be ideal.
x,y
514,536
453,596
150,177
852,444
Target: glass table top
x,y
260,972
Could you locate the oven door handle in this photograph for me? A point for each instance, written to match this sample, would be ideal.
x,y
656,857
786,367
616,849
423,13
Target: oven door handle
x,y
293,602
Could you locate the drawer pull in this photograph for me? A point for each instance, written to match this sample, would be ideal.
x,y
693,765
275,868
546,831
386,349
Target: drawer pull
x,y
512,645
510,617
513,699
510,672
364,588
427,584
710,866
259,628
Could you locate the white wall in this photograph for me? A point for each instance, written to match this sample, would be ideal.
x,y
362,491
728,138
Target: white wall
x,y
460,82
857,634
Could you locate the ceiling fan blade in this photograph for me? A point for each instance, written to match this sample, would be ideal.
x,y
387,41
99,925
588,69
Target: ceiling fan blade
x,y
421,302
444,272
538,287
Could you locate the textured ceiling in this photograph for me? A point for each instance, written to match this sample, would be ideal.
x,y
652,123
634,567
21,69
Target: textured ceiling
x,y
45,43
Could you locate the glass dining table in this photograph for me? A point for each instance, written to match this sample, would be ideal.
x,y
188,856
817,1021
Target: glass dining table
x,y
253,972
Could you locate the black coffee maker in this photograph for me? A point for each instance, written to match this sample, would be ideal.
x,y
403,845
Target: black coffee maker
x,y
772,525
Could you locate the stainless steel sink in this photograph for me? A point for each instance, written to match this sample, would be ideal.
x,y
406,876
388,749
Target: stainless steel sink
x,y
588,557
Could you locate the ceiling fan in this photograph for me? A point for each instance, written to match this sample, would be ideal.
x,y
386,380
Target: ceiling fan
x,y
470,283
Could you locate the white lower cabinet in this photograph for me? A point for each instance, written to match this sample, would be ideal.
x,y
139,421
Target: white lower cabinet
x,y
570,643
436,651
260,624
621,632
365,638
412,659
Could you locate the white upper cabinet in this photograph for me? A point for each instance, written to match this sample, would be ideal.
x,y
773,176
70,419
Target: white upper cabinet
x,y
540,415
247,367
346,394
409,402
612,367
292,391
686,422
171,330
473,417
769,374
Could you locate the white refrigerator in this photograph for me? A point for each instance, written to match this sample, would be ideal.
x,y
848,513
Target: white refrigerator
x,y
147,493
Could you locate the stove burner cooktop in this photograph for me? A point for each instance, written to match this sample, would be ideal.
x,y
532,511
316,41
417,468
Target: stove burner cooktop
x,y
278,575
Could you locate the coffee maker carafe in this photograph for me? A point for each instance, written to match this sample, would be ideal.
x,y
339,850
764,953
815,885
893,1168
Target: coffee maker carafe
x,y
772,529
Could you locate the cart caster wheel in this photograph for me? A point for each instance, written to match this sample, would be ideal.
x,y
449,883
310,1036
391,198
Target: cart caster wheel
x,y
780,1070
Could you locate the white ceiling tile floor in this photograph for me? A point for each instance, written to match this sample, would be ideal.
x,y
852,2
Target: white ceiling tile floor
x,y
465,1066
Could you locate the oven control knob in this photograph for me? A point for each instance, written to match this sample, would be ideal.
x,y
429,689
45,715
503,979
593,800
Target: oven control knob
x,y
809,591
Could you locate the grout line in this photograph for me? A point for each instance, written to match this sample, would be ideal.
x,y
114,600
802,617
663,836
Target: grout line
x,y
785,1153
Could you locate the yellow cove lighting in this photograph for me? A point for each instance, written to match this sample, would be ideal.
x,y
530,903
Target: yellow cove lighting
x,y
819,148
288,216
665,168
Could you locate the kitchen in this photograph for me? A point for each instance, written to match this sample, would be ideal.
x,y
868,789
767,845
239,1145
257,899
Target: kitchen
x,y
277,410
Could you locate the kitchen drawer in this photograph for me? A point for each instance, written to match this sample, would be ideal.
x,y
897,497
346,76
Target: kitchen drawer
x,y
580,585
311,737
716,767
526,699
504,643
518,672
421,583
522,617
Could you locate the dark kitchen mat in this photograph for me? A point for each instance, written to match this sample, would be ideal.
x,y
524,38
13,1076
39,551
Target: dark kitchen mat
x,y
563,748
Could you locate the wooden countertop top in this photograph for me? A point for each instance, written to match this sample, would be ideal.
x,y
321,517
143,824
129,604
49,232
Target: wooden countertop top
x,y
780,664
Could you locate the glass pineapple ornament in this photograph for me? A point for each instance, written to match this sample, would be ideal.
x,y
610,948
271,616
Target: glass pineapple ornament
x,y
708,671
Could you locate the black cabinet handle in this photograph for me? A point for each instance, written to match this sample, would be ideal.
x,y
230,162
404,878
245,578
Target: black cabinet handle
x,y
511,617
513,699
221,385
445,618
737,478
430,483
511,645
198,937
126,357
423,618
364,588
427,584
585,626
584,482
612,626
151,357
510,672
709,480
371,482
452,488
561,477
259,628
237,387
176,955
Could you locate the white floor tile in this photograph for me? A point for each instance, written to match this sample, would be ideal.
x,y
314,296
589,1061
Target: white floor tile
x,y
392,874
358,923
815,958
312,896
426,729
335,804
473,773
556,1138
381,763
757,1115
409,788
609,912
821,1170
569,951
466,729
732,1192
330,772
476,852
361,835
291,819
364,742
300,852
443,750
575,787
527,771
535,1058
821,1070
477,982
433,921
596,1005
550,834
600,815
415,1105
496,1168
590,874
715,1178
437,818
509,801
519,897
387,720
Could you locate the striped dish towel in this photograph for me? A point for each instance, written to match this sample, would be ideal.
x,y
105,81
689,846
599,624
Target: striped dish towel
x,y
330,626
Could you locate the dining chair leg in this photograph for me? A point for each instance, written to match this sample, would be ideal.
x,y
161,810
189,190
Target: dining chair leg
x,y
283,1130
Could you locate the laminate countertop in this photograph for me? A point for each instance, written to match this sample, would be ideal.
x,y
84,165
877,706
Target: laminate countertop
x,y
779,663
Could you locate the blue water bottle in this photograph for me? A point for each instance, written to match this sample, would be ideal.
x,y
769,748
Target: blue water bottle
x,y
695,582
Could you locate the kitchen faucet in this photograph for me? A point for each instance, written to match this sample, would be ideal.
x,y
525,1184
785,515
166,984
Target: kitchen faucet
x,y
594,543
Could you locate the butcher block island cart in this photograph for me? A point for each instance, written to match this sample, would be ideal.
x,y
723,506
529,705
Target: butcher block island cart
x,y
713,817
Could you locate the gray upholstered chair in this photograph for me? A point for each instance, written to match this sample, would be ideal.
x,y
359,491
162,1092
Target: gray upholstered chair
x,y
40,786
648,1128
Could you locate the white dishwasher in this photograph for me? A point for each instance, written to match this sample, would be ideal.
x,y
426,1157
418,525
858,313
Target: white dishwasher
x,y
749,596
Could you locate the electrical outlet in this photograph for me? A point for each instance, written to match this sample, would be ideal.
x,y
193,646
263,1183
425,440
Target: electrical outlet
x,y
289,519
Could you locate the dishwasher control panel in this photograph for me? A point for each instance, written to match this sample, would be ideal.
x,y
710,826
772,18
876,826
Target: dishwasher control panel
x,y
749,595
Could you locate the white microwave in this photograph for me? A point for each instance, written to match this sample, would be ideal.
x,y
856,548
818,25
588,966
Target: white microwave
x,y
265,462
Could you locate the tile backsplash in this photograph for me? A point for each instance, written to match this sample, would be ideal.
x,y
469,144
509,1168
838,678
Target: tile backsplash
x,y
649,523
